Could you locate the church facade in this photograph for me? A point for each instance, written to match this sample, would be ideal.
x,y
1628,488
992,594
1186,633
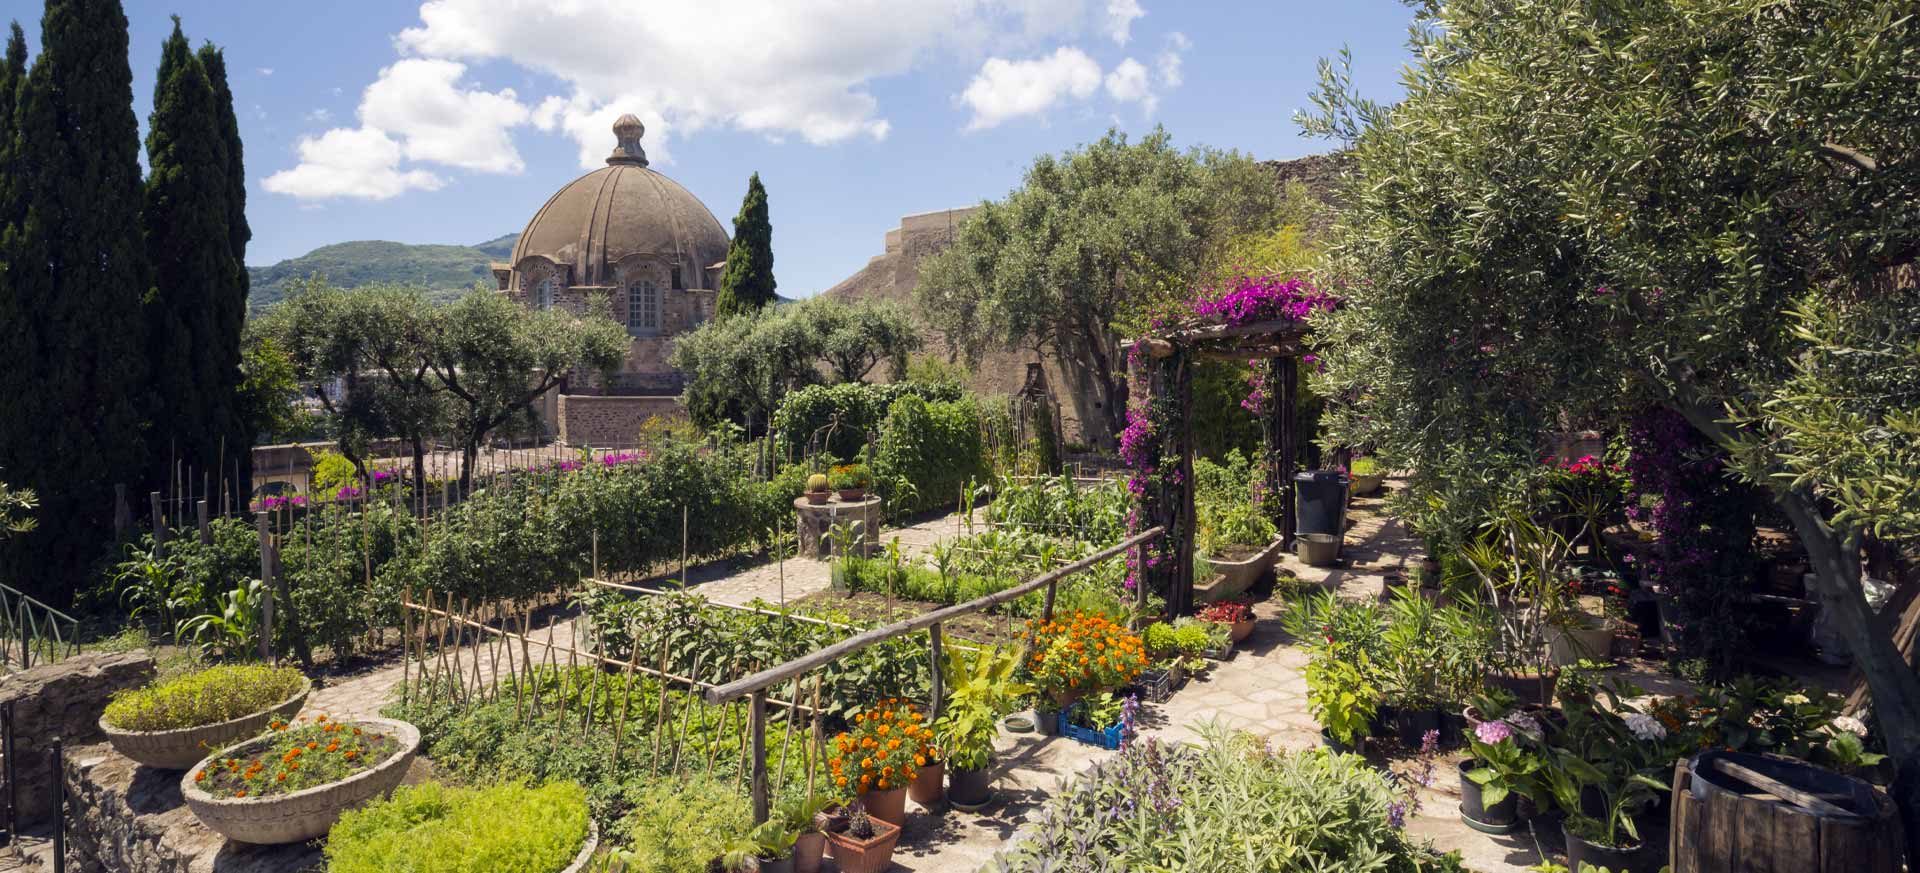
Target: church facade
x,y
645,247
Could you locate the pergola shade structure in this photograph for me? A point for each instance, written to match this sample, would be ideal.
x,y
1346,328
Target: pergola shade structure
x,y
1164,365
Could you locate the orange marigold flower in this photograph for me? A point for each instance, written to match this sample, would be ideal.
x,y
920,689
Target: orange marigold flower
x,y
240,792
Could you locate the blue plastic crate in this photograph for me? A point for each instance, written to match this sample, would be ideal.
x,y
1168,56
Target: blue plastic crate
x,y
1106,739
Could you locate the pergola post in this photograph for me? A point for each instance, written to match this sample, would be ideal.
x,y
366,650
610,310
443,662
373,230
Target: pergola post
x,y
1169,568
1282,452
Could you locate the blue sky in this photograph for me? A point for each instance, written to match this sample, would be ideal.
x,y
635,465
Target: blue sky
x,y
453,120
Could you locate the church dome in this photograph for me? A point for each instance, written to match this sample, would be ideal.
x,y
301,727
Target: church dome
x,y
619,212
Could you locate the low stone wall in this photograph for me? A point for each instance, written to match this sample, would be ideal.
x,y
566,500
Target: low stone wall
x,y
62,700
126,818
610,422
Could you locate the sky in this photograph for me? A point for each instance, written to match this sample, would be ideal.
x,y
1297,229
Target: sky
x,y
452,121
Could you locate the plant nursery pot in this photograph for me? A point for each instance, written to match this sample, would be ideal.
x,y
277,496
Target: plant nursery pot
x,y
852,495
889,806
302,815
818,497
1336,745
970,790
1319,550
807,852
864,856
1046,721
1410,726
1501,818
777,865
1582,853
1527,688
182,748
927,782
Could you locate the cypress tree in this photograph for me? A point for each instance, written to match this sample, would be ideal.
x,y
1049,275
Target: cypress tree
x,y
78,276
15,362
196,363
747,284
231,312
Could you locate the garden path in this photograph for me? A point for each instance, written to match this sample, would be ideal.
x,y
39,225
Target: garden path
x,y
1260,689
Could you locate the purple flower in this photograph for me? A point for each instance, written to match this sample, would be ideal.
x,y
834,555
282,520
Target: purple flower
x,y
1492,732
1397,814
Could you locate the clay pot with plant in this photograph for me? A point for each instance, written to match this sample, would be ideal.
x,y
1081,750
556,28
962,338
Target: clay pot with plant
x,y
808,819
817,492
852,481
865,845
980,688
879,756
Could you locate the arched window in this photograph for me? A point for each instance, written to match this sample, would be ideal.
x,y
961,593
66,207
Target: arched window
x,y
643,308
543,293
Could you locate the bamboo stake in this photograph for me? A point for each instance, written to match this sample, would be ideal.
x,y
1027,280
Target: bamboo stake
x,y
680,748
566,685
786,743
660,720
406,642
626,703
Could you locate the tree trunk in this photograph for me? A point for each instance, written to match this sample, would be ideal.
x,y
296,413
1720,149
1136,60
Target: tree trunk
x,y
1835,560
419,467
1098,394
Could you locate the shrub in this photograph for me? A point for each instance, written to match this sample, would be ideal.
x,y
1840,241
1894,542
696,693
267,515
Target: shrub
x,y
681,826
210,696
1364,466
929,451
1234,804
431,828
806,416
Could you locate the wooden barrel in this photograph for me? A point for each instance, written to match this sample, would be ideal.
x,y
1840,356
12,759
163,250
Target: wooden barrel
x,y
1735,812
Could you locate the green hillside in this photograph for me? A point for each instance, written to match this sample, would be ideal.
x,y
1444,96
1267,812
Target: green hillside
x,y
444,270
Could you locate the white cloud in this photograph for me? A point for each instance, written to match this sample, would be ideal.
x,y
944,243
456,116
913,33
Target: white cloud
x,y
1128,83
345,162
421,101
1120,17
1006,89
265,71
1168,63
802,69
321,115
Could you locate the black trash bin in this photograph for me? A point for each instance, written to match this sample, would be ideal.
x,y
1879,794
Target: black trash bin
x,y
1320,502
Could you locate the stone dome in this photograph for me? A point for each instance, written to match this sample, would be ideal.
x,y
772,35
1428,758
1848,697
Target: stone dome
x,y
621,211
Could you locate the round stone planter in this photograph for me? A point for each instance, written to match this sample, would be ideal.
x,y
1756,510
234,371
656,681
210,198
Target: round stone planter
x,y
302,815
182,748
585,856
1365,485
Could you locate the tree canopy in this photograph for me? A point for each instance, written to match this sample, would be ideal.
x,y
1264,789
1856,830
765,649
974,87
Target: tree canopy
x,y
739,367
1707,206
1088,247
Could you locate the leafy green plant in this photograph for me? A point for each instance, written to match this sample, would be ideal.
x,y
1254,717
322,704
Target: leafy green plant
x,y
1364,466
1098,711
851,476
234,625
681,827
209,696
290,758
1339,694
433,828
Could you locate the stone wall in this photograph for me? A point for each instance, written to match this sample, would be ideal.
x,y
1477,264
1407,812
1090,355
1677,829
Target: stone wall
x,y
62,700
610,422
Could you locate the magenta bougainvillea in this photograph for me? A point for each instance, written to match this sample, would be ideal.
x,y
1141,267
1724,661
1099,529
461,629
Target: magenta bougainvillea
x,y
1250,299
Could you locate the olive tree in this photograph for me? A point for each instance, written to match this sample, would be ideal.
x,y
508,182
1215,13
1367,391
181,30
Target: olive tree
x,y
1580,209
1089,241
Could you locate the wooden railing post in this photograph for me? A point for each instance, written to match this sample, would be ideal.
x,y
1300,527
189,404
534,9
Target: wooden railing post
x,y
266,585
1046,612
939,681
757,726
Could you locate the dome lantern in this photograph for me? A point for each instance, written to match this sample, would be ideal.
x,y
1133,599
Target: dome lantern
x,y
627,132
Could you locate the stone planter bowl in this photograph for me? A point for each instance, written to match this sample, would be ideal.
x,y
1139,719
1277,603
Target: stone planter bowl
x,y
182,748
1365,485
302,815
1235,577
585,857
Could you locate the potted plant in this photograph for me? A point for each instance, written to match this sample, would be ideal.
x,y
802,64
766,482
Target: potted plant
x,y
1606,764
1525,568
1102,720
1166,665
874,761
1238,543
510,827
1194,639
768,848
929,777
851,480
1367,475
1082,654
1339,694
980,687
1501,769
294,781
172,724
865,845
807,818
817,485
1236,615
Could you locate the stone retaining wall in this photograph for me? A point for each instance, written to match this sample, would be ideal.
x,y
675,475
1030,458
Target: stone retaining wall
x,y
610,422
62,700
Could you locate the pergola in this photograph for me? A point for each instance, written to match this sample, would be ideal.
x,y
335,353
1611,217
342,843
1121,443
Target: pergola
x,y
1167,360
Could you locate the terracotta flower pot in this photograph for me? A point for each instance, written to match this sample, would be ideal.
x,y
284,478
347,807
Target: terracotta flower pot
x,y
889,806
182,748
807,852
927,789
302,815
1242,629
852,495
871,855
818,497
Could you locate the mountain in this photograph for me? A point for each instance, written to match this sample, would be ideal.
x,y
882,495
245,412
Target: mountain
x,y
445,270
